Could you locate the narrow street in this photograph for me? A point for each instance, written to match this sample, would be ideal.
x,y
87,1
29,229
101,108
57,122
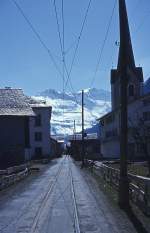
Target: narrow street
x,y
60,200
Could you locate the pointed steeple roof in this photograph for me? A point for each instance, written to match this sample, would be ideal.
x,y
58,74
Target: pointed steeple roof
x,y
126,56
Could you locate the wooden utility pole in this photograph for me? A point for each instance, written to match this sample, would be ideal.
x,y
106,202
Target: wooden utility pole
x,y
124,182
125,51
74,129
83,145
74,138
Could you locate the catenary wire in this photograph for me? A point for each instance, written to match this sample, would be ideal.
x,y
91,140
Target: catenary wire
x,y
103,46
37,35
58,26
39,38
63,54
78,41
61,41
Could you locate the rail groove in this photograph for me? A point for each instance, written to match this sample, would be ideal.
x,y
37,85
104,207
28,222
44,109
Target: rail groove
x,y
76,216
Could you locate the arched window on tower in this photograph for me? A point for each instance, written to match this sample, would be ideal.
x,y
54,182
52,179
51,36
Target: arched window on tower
x,y
131,90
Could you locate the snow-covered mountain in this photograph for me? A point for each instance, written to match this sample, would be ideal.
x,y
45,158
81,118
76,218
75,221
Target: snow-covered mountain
x,y
64,112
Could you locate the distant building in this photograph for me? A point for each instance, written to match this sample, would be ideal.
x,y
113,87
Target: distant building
x,y
138,103
57,146
92,146
15,114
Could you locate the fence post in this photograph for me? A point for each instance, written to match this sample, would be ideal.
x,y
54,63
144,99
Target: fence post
x,y
147,198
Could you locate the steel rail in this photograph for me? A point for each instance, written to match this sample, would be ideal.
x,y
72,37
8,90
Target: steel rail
x,y
28,206
47,195
76,216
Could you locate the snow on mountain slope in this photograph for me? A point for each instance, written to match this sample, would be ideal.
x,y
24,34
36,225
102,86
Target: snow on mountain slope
x,y
64,112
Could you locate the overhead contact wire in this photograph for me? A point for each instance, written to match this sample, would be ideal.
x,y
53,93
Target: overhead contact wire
x,y
103,46
78,41
38,36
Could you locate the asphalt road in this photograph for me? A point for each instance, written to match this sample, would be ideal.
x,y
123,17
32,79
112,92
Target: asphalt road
x,y
60,199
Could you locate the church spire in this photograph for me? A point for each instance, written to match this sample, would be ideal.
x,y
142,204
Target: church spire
x,y
126,56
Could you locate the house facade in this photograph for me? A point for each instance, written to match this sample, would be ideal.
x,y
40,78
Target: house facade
x,y
91,143
24,128
57,145
15,113
40,130
138,113
138,102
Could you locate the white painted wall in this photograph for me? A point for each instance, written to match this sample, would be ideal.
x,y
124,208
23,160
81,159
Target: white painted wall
x,y
45,113
110,147
27,154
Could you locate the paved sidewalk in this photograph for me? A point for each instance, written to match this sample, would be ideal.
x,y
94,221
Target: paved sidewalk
x,y
97,214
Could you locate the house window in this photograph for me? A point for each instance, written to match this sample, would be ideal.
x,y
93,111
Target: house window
x,y
146,116
38,120
102,123
148,130
131,90
38,136
38,151
110,119
140,147
146,102
131,150
112,133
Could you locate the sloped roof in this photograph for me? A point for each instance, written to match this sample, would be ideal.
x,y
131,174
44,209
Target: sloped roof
x,y
35,103
13,102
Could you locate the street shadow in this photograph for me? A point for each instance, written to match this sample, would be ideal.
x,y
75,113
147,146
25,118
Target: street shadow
x,y
55,161
135,221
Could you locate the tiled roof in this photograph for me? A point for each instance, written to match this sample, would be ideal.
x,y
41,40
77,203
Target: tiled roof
x,y
13,102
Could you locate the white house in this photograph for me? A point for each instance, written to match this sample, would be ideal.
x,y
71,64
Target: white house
x,y
138,110
40,130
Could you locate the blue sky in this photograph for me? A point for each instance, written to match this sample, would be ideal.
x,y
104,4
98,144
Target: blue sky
x,y
25,63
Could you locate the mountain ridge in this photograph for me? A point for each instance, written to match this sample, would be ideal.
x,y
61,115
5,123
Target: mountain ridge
x,y
97,103
101,93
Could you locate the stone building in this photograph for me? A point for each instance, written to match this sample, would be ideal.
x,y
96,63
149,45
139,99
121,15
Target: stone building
x,y
15,114
24,128
91,143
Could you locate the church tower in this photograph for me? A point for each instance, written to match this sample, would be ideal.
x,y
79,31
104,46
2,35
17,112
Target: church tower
x,y
125,58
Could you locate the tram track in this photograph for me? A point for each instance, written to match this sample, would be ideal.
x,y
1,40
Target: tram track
x,y
76,216
46,197
59,193
27,208
72,210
